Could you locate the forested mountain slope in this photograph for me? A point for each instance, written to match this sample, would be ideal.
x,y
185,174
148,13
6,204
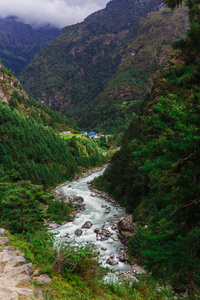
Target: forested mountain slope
x,y
30,147
156,172
19,42
113,109
12,92
70,72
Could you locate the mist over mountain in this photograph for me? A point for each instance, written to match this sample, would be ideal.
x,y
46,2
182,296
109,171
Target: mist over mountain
x,y
19,42
58,13
69,73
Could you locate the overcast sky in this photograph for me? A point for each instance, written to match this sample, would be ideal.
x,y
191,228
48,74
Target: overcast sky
x,y
56,12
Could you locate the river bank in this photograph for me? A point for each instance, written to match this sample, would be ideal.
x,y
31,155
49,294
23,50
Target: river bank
x,y
77,202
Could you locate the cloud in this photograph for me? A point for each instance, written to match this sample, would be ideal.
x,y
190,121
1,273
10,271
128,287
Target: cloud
x,y
59,13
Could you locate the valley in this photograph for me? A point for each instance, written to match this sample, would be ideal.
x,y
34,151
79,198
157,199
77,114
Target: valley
x,y
118,91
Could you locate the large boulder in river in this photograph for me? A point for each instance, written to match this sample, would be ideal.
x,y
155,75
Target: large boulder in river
x,y
78,231
127,229
87,224
78,199
111,261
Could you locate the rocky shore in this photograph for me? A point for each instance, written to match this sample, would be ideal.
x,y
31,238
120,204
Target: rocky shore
x,y
77,202
90,172
16,275
102,194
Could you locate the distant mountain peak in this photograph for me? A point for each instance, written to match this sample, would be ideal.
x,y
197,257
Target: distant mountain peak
x,y
19,42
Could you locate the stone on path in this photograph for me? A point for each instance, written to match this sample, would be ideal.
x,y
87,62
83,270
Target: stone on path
x,y
2,231
44,279
4,241
13,271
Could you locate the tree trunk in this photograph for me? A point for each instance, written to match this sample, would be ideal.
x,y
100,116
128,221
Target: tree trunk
x,y
22,219
191,285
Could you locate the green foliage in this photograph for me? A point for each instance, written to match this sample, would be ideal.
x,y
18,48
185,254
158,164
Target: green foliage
x,y
58,211
81,273
86,151
5,71
49,118
36,153
22,205
156,174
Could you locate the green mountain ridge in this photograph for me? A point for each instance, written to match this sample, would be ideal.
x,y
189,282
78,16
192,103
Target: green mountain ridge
x,y
69,73
13,93
124,94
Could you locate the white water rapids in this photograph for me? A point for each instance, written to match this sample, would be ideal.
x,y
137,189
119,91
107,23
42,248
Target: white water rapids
x,y
98,215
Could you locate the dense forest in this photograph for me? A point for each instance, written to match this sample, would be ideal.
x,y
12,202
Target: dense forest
x,y
34,157
156,174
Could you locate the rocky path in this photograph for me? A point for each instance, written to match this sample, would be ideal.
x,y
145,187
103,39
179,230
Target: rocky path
x,y
16,278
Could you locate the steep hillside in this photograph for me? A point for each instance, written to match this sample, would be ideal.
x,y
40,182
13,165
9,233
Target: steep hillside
x,y
113,108
19,42
70,72
30,148
12,92
156,172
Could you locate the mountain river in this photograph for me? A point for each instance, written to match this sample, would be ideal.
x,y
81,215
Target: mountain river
x,y
101,213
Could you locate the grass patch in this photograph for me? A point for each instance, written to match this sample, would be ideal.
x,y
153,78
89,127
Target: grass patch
x,y
69,136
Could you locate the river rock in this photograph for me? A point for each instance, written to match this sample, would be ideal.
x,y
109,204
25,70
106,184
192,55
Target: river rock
x,y
78,199
52,226
111,261
78,231
115,239
123,257
127,229
114,227
103,248
138,270
65,235
103,234
87,224
104,206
